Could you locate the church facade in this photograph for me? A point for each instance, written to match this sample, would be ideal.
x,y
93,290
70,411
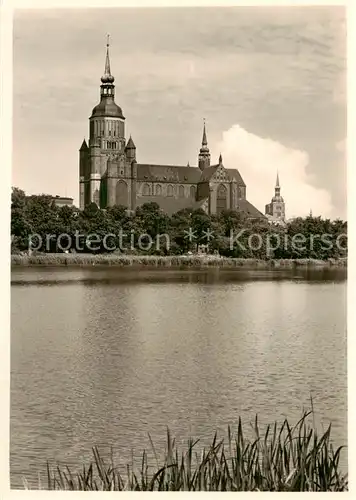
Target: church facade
x,y
110,173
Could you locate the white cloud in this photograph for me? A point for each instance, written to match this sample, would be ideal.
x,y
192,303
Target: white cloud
x,y
258,160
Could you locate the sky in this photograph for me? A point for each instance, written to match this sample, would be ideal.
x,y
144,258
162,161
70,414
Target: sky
x,y
270,82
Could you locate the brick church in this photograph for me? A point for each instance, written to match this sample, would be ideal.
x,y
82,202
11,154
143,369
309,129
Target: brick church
x,y
111,174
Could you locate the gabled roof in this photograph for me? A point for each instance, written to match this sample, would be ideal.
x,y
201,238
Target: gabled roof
x,y
167,173
233,173
249,209
208,172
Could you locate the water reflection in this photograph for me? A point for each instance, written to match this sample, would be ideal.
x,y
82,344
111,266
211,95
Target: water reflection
x,y
54,275
104,357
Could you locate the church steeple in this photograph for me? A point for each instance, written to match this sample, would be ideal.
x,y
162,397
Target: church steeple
x,y
107,106
277,189
107,80
204,141
204,154
107,77
276,208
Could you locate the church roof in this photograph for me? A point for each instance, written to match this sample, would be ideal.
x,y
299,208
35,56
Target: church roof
x,y
208,172
249,209
183,174
107,107
233,173
168,173
277,199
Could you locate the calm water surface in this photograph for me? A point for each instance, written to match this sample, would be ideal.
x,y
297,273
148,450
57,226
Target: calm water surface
x,y
104,357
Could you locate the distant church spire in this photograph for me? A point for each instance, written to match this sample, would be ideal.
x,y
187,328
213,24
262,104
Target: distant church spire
x,y
204,154
276,209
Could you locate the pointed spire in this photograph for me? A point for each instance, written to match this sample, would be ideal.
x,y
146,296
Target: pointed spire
x,y
277,181
130,144
220,159
204,154
84,145
107,77
204,141
107,61
188,164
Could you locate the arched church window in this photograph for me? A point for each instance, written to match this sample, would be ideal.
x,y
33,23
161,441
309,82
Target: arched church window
x,y
221,199
146,190
181,191
158,190
169,190
192,192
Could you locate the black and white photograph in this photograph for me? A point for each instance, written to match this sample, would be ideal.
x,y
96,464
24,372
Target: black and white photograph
x,y
179,249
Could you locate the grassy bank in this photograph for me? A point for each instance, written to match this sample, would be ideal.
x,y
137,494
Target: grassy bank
x,y
153,261
283,458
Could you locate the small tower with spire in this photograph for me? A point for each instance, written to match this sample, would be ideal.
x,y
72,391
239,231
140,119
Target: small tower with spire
x,y
130,149
276,209
204,153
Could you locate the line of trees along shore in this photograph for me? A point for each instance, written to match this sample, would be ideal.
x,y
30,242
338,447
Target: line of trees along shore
x,y
232,234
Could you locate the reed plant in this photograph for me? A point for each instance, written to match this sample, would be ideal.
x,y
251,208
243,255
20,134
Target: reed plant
x,y
282,458
173,261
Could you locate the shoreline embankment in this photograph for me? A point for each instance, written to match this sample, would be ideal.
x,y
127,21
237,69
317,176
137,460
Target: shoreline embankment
x,y
175,261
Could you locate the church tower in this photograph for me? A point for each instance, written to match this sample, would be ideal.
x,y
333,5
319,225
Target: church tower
x,y
276,209
204,153
106,140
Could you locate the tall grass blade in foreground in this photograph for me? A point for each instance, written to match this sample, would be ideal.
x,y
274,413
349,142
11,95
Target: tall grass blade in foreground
x,y
284,458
